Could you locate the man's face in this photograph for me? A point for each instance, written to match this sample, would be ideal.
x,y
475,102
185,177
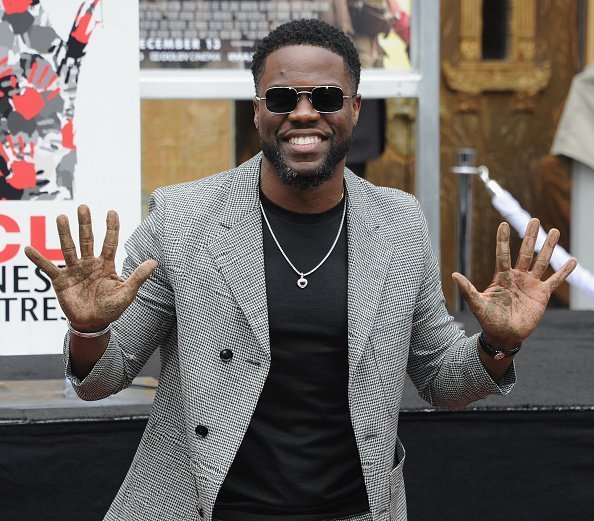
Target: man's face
x,y
305,147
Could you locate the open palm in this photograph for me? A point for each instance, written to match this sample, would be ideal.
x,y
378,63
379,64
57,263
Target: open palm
x,y
88,289
512,305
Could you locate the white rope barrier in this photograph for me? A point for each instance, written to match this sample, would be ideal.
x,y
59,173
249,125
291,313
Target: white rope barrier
x,y
518,218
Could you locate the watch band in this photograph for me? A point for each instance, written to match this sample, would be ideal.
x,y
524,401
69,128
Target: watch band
x,y
497,354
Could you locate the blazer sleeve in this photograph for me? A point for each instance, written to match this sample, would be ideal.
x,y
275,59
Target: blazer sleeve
x,y
147,322
444,363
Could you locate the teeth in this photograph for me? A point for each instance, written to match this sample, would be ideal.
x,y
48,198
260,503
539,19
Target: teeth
x,y
304,140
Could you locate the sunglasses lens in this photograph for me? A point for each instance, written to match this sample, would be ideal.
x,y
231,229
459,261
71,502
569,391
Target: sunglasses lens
x,y
327,99
281,100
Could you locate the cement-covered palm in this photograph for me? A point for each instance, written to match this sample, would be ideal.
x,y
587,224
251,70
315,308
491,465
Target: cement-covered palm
x,y
91,294
88,288
513,304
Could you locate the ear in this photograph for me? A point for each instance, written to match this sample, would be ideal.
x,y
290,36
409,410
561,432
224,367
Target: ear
x,y
356,105
256,113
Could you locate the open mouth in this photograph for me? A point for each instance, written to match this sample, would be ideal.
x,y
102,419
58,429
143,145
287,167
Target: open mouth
x,y
304,140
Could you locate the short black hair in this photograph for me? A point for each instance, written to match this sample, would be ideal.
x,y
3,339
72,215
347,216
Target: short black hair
x,y
308,31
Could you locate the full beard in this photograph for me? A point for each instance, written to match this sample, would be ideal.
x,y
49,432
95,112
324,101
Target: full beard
x,y
310,179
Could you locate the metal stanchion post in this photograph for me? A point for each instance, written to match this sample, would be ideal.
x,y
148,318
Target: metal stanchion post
x,y
465,168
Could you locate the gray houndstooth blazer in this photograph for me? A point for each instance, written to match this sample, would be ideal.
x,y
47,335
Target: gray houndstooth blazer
x,y
209,293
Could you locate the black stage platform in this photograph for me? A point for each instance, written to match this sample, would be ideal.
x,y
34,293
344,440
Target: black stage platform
x,y
528,456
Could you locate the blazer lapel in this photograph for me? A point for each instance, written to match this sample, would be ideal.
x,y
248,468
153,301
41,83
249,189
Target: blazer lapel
x,y
368,262
238,251
239,255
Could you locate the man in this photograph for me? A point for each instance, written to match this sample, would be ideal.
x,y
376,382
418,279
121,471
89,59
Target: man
x,y
288,298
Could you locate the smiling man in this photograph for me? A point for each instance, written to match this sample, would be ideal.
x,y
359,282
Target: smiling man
x,y
304,147
288,298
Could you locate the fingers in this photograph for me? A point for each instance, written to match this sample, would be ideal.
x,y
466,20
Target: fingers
x,y
66,242
85,232
555,280
527,248
110,243
86,239
502,255
542,260
42,263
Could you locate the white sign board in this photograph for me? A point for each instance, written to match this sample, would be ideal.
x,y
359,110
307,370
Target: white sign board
x,y
69,134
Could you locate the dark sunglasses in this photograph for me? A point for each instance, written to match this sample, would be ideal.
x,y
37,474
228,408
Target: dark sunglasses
x,y
324,98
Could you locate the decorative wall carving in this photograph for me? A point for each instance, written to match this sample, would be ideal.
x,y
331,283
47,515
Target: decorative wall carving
x,y
470,76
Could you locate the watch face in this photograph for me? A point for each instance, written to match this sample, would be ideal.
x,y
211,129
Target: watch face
x,y
499,356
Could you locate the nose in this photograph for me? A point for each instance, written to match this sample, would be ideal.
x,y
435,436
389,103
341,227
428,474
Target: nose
x,y
304,109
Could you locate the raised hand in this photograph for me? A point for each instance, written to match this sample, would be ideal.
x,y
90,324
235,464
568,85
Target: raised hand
x,y
513,304
88,289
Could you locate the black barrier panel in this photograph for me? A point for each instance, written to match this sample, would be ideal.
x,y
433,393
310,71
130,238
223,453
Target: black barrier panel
x,y
478,465
488,466
64,471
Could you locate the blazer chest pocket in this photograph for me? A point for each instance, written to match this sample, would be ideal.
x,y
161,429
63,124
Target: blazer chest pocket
x,y
390,345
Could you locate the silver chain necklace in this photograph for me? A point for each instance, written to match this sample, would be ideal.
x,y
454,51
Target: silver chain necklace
x,y
302,281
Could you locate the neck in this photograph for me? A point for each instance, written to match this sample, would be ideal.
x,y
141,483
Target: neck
x,y
315,200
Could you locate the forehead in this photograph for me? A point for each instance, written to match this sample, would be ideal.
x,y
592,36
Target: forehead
x,y
303,65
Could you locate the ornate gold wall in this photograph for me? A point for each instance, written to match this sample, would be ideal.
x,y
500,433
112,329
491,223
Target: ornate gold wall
x,y
589,54
395,167
511,124
183,140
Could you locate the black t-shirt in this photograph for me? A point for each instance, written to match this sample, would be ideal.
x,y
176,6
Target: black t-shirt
x,y
299,460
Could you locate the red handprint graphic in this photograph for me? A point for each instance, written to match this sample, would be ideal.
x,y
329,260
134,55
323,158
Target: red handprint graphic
x,y
38,83
20,157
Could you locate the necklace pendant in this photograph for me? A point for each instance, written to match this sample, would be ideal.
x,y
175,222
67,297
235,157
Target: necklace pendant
x,y
302,282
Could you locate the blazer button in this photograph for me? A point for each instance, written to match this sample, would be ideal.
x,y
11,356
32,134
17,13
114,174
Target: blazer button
x,y
226,355
202,431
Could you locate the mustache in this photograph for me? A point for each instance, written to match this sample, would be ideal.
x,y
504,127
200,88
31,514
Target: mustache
x,y
311,179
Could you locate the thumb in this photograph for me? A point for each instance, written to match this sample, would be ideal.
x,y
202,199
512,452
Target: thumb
x,y
139,276
469,292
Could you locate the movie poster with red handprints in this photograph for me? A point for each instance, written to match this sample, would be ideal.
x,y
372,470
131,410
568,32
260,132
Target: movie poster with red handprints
x,y
69,134
38,84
